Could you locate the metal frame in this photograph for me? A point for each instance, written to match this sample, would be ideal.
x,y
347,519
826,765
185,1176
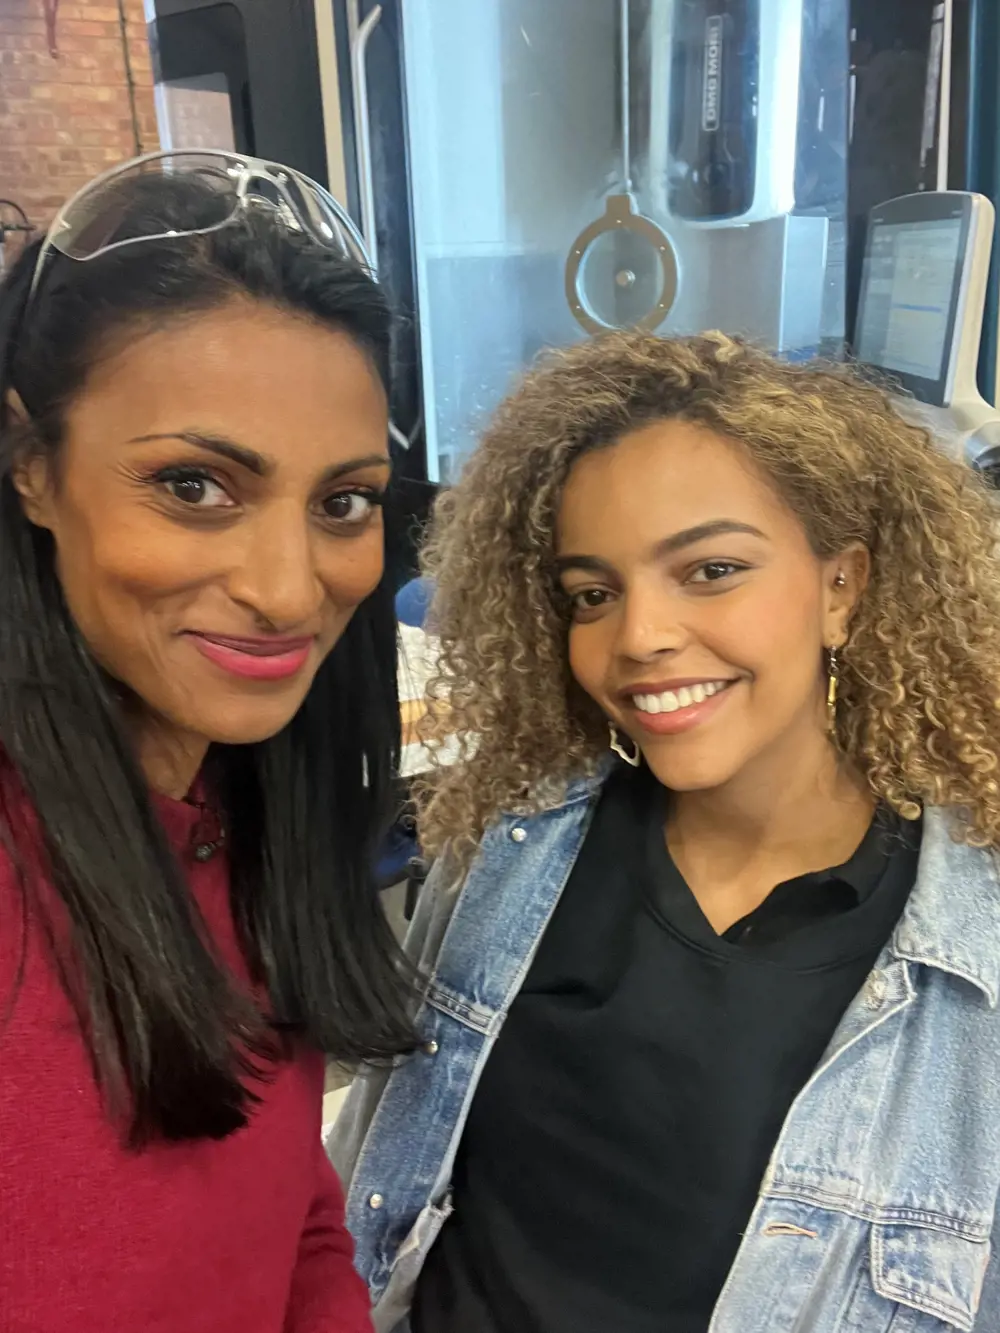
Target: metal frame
x,y
621,215
368,39
359,34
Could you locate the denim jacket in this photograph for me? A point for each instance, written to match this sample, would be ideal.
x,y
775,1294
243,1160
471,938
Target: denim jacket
x,y
877,1210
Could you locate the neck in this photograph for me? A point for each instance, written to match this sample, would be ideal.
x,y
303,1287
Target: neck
x,y
803,809
170,759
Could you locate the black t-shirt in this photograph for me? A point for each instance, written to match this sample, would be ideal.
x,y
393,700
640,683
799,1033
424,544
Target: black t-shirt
x,y
621,1129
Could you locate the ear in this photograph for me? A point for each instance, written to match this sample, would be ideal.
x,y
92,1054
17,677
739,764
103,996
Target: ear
x,y
32,478
14,411
845,578
31,471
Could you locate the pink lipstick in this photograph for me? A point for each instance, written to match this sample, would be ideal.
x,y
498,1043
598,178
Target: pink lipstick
x,y
254,659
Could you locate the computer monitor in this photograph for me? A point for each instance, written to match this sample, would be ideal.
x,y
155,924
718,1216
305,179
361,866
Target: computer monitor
x,y
923,287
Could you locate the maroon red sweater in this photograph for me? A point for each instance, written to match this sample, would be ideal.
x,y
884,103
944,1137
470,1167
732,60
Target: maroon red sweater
x,y
245,1235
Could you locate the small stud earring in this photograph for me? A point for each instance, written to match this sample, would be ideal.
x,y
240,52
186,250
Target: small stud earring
x,y
634,759
841,580
833,679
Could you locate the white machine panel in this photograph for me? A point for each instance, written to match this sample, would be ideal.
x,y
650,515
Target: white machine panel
x,y
920,314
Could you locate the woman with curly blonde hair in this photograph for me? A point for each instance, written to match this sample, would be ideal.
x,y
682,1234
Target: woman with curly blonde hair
x,y
712,1037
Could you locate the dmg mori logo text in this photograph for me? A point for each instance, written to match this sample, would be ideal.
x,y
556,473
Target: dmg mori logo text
x,y
711,93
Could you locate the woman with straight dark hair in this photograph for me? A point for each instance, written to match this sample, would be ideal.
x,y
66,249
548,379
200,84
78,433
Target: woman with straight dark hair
x,y
198,724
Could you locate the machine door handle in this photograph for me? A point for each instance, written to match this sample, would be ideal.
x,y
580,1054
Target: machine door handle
x,y
360,32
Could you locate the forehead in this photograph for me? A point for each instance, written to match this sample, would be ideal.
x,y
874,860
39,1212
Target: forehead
x,y
662,479
283,385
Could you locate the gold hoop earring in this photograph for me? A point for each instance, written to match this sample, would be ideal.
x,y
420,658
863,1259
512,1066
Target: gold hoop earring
x,y
832,683
615,744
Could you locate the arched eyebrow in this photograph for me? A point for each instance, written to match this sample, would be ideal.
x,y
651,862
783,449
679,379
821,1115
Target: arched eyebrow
x,y
259,464
677,541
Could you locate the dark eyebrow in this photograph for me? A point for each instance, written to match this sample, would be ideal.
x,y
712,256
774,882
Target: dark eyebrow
x,y
719,527
259,464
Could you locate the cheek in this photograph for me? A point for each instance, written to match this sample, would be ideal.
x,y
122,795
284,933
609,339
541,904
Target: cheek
x,y
351,570
776,633
128,562
590,653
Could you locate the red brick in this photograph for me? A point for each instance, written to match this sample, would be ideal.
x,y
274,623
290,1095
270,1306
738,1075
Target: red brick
x,y
65,118
87,28
101,13
17,27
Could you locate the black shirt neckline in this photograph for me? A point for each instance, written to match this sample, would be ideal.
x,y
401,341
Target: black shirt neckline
x,y
814,920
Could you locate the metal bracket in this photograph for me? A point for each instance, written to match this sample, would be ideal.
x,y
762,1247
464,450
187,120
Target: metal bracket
x,y
621,213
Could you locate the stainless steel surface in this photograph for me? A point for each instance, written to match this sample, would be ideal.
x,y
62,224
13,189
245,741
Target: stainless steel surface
x,y
625,27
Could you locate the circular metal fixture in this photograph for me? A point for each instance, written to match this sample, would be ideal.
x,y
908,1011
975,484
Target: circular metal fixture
x,y
622,271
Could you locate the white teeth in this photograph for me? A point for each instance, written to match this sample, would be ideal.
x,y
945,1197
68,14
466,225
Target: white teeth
x,y
671,700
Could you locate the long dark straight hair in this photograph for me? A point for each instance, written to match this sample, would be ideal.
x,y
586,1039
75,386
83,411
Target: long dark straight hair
x,y
171,1039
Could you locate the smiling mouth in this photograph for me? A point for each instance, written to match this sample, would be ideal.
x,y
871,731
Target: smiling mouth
x,y
254,659
672,701
668,712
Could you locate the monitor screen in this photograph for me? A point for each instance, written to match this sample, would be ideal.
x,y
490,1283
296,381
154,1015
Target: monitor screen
x,y
908,294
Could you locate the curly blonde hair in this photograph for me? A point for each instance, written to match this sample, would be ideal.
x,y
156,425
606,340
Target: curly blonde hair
x,y
920,705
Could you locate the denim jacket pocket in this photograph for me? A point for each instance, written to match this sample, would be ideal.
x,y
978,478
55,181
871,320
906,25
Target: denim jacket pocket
x,y
394,1303
928,1272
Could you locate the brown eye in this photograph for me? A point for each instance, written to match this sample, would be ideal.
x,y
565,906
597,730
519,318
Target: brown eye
x,y
192,491
585,603
196,490
352,507
712,571
590,599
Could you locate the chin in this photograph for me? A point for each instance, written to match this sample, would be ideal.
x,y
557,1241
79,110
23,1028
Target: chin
x,y
690,773
237,727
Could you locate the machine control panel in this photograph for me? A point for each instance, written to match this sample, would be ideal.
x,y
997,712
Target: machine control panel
x,y
920,315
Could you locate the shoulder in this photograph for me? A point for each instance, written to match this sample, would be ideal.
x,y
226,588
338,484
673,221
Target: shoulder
x,y
952,918
551,804
521,854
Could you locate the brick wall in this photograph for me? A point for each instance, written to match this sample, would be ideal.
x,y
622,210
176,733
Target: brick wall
x,y
64,117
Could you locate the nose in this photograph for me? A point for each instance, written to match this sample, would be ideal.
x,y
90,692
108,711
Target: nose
x,y
649,623
275,574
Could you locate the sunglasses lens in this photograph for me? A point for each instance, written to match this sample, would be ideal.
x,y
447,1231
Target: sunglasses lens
x,y
310,207
303,207
207,190
118,210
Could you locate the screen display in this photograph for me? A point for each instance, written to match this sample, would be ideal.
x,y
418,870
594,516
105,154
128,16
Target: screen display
x,y
909,278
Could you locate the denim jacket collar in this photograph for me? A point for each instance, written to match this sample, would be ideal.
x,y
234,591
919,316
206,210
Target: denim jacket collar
x,y
952,918
553,796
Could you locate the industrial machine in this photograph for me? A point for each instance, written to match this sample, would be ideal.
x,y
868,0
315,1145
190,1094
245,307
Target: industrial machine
x,y
555,169
920,314
744,174
526,172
